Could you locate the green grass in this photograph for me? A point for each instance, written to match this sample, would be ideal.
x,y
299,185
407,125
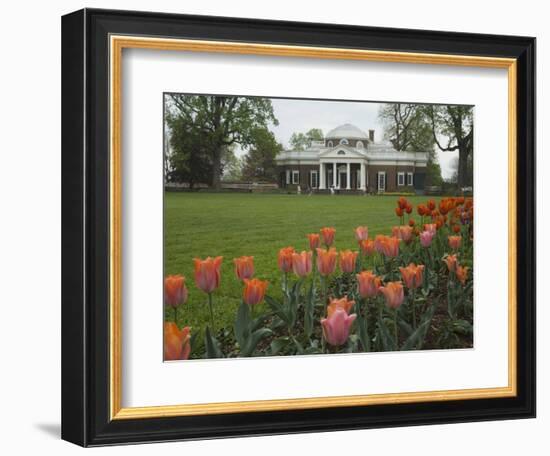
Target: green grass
x,y
232,225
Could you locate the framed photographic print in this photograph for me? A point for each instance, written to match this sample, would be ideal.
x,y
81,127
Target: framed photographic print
x,y
275,227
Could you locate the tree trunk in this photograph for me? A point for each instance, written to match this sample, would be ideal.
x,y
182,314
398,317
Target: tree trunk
x,y
462,167
216,168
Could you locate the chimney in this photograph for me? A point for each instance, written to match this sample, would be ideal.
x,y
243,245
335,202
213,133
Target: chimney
x,y
371,135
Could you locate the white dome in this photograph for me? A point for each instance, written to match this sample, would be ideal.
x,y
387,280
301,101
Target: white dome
x,y
348,131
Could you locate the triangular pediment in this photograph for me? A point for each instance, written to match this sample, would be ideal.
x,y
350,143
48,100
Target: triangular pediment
x,y
341,151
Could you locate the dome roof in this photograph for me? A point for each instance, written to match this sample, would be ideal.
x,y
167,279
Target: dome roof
x,y
348,131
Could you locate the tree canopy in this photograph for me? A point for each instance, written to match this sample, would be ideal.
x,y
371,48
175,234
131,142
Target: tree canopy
x,y
302,141
259,162
206,126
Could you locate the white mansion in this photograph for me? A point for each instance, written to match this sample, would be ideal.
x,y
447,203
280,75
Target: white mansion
x,y
350,160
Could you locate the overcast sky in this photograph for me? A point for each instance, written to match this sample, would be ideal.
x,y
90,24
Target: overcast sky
x,y
302,115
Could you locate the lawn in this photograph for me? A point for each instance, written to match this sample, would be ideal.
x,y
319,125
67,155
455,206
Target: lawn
x,y
232,225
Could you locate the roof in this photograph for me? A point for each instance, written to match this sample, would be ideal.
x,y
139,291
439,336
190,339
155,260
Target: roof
x,y
348,131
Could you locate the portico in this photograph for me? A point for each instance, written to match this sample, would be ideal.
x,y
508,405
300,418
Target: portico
x,y
342,175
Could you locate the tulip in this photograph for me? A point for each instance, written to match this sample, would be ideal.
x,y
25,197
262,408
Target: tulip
x,y
451,261
254,291
396,232
207,273
405,233
431,205
454,242
175,291
244,267
422,210
432,227
367,246
342,303
347,261
412,222
426,238
301,263
361,233
462,273
399,212
412,275
326,261
313,241
368,284
328,236
379,243
285,259
336,327
389,246
402,202
177,345
456,229
393,292
409,208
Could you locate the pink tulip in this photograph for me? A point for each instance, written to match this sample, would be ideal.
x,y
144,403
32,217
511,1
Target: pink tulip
x,y
207,273
426,238
336,328
361,233
301,263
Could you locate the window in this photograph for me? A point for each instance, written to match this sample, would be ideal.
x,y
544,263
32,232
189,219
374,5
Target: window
x,y
313,179
295,177
410,179
400,179
344,142
330,144
359,144
341,152
287,176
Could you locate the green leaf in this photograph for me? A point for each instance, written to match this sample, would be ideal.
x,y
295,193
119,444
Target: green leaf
x,y
308,310
253,341
278,344
277,308
416,339
242,324
298,346
387,340
363,333
212,345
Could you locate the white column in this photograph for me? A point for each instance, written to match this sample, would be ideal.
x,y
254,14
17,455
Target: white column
x,y
363,177
348,176
322,185
334,179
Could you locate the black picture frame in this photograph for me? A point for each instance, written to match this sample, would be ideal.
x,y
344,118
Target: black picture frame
x,y
85,227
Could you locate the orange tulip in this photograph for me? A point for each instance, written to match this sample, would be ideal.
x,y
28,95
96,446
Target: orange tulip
x,y
393,292
177,343
451,261
412,275
368,284
454,242
399,212
411,222
301,263
396,232
409,208
361,233
367,246
431,205
347,260
402,203
207,273
405,233
313,241
326,261
285,259
175,291
244,267
342,303
461,273
254,291
389,246
422,210
328,235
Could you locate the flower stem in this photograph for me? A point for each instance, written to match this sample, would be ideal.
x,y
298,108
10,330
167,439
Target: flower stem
x,y
413,307
210,305
395,329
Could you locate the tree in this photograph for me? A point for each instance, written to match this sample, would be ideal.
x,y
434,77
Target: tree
x,y
433,170
221,121
259,162
406,127
186,152
302,141
232,166
455,123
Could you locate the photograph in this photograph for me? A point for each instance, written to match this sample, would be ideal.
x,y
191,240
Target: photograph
x,y
315,226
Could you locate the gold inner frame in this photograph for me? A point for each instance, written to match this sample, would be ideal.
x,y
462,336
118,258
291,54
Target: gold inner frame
x,y
117,44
